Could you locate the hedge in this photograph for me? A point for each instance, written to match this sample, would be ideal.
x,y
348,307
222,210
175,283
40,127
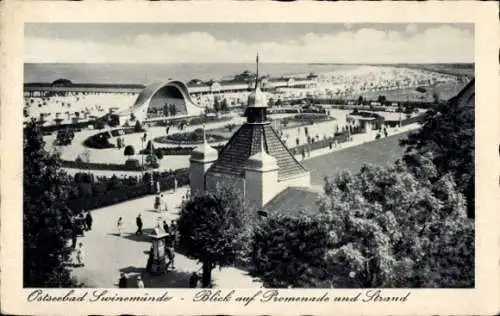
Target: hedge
x,y
173,151
99,166
110,191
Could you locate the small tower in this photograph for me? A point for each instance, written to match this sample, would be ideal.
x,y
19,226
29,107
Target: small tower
x,y
256,111
201,159
261,177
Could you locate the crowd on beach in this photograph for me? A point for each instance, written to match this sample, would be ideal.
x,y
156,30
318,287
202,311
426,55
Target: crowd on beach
x,y
75,106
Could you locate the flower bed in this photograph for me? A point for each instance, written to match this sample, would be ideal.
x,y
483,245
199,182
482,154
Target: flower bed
x,y
190,138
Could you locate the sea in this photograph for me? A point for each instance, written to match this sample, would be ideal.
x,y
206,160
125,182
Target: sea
x,y
150,73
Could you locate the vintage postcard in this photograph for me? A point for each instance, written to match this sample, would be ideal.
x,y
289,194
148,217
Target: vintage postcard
x,y
249,158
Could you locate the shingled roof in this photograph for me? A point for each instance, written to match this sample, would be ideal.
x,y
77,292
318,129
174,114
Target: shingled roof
x,y
246,142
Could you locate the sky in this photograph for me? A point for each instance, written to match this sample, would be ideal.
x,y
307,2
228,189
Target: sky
x,y
239,42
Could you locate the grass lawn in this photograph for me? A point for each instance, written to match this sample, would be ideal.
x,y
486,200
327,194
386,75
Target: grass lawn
x,y
380,152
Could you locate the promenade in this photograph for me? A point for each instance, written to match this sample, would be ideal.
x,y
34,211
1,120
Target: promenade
x,y
107,254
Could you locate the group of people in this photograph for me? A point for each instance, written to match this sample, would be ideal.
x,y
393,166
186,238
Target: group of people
x,y
81,223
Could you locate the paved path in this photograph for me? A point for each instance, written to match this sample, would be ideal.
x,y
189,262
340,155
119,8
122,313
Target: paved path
x,y
107,254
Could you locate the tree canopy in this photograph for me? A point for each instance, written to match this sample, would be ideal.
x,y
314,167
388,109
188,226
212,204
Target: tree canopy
x,y
211,227
290,251
46,226
383,227
447,135
391,228
129,150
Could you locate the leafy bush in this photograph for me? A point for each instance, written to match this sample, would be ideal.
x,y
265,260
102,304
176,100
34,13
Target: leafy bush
x,y
132,163
99,124
64,137
129,150
138,127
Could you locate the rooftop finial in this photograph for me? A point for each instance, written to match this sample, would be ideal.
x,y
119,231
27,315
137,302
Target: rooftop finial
x,y
204,135
257,73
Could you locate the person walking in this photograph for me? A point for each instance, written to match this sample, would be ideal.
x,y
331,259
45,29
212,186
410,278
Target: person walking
x,y
163,204
175,184
139,224
171,256
158,188
140,283
122,282
88,221
119,226
79,255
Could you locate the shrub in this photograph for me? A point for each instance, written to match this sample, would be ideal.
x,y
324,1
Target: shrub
x,y
64,137
132,163
129,150
137,127
99,124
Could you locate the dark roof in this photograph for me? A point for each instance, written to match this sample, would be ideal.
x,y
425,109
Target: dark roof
x,y
246,142
294,201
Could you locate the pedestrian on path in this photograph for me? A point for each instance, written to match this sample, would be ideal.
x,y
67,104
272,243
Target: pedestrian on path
x,y
175,184
165,206
139,224
140,283
171,256
88,221
119,226
80,255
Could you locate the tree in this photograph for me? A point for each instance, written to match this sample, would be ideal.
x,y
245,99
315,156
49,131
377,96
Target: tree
x,y
211,227
129,151
382,99
172,109
360,100
224,107
216,105
392,228
138,127
46,226
447,134
290,251
383,227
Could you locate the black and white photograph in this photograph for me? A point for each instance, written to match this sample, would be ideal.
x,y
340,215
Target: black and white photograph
x,y
250,160
251,155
